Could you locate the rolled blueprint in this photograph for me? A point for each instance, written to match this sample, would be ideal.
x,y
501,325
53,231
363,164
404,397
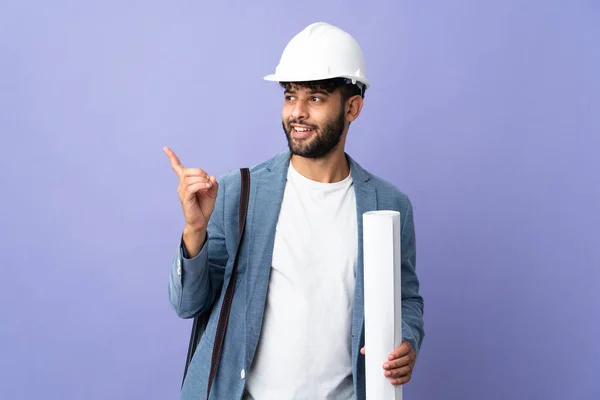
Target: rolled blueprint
x,y
383,300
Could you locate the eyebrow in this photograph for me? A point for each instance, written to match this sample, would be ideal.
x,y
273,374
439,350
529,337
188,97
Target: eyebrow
x,y
312,91
319,91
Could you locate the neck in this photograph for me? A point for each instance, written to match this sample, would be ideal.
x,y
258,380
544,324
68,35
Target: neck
x,y
331,168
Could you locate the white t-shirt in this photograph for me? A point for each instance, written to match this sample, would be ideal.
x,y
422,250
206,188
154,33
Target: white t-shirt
x,y
304,351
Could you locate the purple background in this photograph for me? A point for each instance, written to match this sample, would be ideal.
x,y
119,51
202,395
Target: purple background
x,y
487,115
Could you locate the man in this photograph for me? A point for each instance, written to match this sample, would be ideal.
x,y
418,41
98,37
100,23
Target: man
x,y
296,326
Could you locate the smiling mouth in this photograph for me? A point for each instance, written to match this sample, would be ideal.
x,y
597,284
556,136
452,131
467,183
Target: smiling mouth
x,y
301,132
302,129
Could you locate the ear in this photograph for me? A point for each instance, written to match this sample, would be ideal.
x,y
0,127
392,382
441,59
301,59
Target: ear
x,y
353,107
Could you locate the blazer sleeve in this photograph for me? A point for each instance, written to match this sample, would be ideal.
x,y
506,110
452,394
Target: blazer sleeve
x,y
412,302
195,283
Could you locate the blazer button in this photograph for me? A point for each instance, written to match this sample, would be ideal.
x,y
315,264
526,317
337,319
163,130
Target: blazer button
x,y
243,374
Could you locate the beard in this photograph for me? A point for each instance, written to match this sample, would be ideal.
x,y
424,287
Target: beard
x,y
323,140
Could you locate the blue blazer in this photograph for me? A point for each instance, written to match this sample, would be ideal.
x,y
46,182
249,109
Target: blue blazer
x,y
198,285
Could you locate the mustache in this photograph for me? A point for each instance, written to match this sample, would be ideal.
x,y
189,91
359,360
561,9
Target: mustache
x,y
295,121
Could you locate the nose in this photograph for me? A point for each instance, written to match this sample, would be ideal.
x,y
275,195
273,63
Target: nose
x,y
300,110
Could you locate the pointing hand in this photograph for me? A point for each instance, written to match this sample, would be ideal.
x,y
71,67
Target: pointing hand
x,y
197,193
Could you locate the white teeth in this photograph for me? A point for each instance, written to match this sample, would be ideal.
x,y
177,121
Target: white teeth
x,y
298,129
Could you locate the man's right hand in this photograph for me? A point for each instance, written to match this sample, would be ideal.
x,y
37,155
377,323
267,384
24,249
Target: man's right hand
x,y
197,194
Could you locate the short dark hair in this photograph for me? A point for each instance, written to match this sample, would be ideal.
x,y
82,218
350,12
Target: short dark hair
x,y
347,88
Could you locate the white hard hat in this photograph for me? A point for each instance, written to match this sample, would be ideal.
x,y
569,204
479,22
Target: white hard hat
x,y
321,51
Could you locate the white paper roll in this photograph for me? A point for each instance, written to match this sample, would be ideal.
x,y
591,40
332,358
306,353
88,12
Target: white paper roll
x,y
383,300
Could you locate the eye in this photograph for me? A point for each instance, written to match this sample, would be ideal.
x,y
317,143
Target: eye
x,y
289,98
317,99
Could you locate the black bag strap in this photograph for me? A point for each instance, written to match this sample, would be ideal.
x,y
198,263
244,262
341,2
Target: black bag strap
x,y
200,321
228,299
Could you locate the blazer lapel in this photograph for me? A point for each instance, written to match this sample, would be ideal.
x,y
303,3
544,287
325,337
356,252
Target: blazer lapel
x,y
366,200
267,188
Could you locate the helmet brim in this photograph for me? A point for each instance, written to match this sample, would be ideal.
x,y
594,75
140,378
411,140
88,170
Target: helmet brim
x,y
277,78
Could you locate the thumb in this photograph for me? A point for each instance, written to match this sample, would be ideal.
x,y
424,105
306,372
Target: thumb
x,y
214,189
362,351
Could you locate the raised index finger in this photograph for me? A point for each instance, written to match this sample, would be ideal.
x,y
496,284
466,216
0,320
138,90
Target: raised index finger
x,y
175,163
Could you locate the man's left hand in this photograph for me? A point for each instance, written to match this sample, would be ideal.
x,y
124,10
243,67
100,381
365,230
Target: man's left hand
x,y
400,364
